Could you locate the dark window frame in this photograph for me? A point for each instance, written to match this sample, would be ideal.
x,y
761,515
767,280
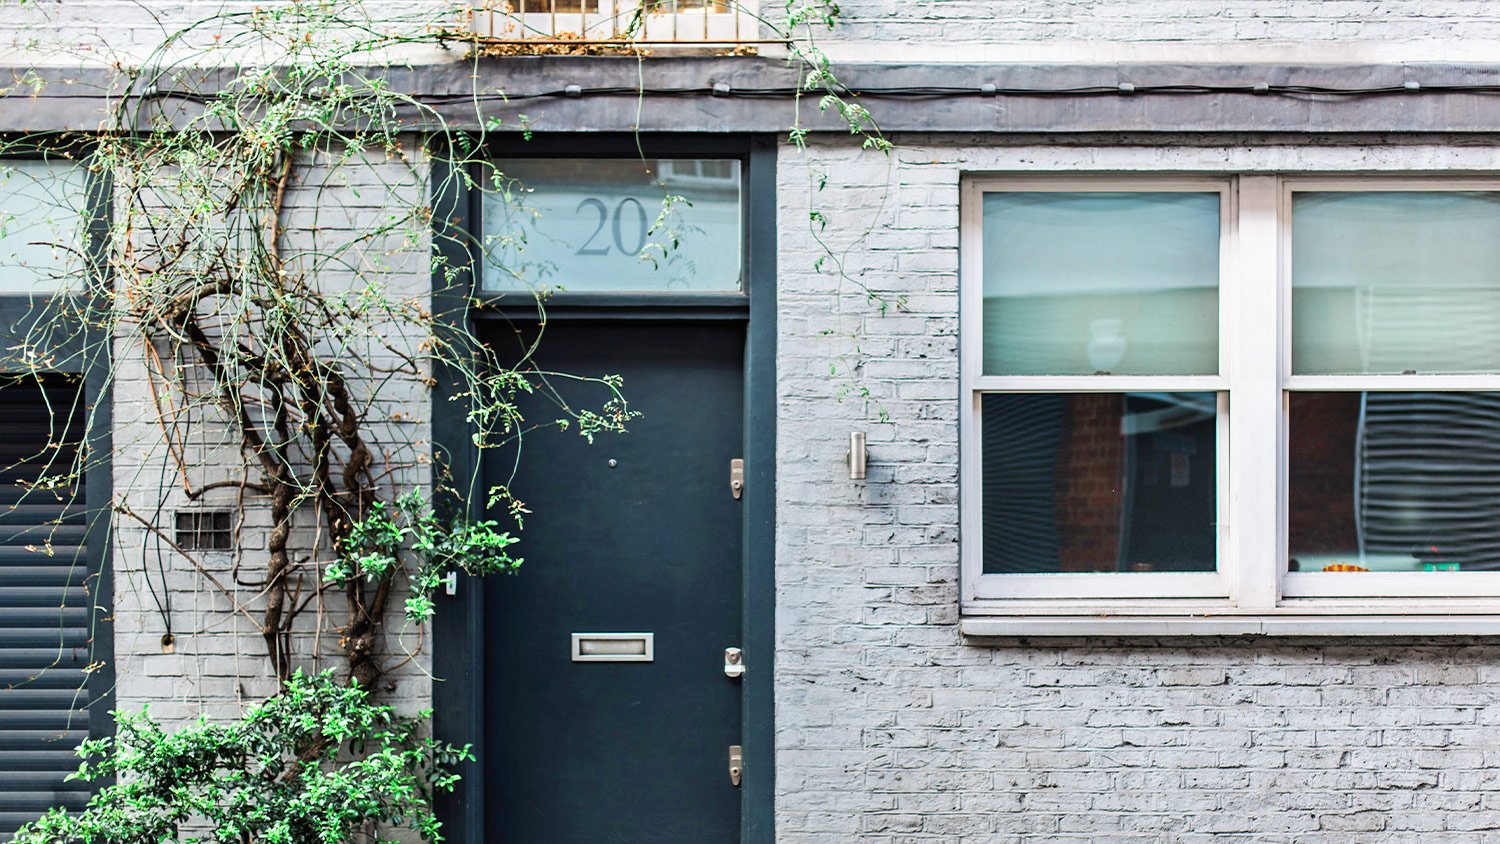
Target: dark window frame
x,y
90,359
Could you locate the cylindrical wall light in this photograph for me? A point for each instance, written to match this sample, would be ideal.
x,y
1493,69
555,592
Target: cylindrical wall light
x,y
857,455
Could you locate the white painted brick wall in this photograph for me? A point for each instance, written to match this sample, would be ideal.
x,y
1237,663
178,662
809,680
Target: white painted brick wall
x,y
1175,20
890,729
103,31
1177,30
220,663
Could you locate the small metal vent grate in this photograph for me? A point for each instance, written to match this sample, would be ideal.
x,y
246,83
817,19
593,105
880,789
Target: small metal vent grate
x,y
204,530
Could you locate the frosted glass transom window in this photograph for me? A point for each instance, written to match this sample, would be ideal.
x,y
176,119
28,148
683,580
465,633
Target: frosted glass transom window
x,y
614,225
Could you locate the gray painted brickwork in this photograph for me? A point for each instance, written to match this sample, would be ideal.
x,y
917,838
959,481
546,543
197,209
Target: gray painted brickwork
x,y
890,729
980,21
103,30
219,662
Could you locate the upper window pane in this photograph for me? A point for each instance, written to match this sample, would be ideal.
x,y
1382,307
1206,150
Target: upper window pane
x,y
1119,283
41,225
1395,282
614,225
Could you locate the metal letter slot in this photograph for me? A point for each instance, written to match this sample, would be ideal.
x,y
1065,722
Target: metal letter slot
x,y
614,647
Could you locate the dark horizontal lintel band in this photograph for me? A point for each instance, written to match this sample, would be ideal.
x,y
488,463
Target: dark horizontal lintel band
x,y
676,94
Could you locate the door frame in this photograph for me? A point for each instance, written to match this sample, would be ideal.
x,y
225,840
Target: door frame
x,y
458,695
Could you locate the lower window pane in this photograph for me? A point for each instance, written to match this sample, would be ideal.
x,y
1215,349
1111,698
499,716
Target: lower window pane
x,y
1397,482
1099,482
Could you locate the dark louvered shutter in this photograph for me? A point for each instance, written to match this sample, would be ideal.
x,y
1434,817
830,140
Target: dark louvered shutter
x,y
44,602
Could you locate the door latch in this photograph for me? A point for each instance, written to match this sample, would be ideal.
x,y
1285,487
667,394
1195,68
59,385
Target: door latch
x,y
736,764
734,662
737,477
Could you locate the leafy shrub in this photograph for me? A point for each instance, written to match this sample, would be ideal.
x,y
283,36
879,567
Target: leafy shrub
x,y
316,764
408,533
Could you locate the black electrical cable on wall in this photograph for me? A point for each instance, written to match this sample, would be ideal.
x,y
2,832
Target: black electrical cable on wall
x,y
918,92
1126,89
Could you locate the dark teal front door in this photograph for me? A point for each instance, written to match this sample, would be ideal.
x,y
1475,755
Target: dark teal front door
x,y
636,534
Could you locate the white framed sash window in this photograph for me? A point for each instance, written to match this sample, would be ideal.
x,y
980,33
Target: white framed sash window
x,y
1244,397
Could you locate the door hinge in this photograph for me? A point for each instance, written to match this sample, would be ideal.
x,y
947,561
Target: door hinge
x,y
736,764
737,477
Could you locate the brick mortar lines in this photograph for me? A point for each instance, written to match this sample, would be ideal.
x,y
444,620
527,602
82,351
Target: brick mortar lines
x,y
220,663
889,729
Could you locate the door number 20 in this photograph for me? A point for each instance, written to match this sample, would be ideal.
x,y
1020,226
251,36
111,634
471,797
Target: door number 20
x,y
616,221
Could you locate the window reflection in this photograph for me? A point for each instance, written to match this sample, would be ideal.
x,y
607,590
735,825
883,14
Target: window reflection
x,y
1099,482
1395,282
1084,283
1394,481
41,203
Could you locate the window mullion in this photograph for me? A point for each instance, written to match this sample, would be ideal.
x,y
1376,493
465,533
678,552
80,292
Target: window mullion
x,y
1255,404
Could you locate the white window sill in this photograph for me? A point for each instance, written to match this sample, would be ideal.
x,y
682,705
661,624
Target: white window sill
x,y
1415,626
